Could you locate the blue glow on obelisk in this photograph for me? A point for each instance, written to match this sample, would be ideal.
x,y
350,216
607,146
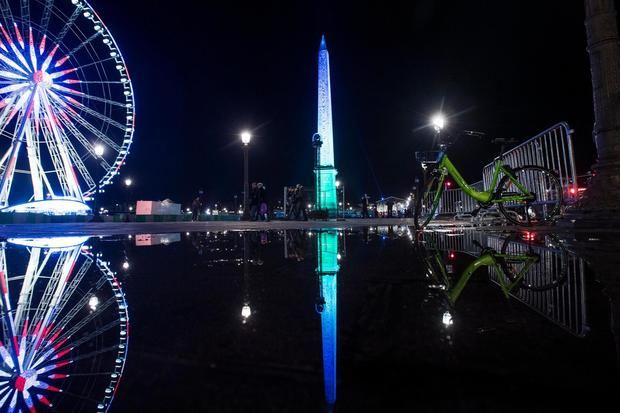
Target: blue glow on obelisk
x,y
327,269
325,173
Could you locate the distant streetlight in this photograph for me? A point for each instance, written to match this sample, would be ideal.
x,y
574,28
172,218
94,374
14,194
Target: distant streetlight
x,y
128,181
125,265
246,312
99,150
93,302
246,137
340,186
438,121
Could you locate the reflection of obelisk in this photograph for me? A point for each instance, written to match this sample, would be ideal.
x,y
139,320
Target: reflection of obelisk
x,y
325,172
327,270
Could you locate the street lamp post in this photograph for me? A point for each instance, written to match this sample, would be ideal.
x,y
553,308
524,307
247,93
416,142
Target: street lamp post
x,y
246,137
340,186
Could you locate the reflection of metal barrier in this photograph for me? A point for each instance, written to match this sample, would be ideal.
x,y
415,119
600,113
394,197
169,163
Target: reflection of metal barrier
x,y
552,149
563,300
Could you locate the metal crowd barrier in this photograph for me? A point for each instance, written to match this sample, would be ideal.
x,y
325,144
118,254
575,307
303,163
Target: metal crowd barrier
x,y
552,149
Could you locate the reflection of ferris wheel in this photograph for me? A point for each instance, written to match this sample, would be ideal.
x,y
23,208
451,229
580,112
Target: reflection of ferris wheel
x,y
65,327
66,105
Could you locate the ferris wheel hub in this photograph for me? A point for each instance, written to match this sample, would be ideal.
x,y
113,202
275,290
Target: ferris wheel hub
x,y
41,77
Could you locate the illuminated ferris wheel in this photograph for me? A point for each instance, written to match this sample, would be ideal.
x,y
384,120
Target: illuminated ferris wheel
x,y
65,327
66,105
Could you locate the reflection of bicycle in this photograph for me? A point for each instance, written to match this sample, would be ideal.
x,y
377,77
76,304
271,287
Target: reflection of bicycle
x,y
527,195
511,269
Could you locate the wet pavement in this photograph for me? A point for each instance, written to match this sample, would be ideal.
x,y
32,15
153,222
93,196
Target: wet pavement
x,y
371,318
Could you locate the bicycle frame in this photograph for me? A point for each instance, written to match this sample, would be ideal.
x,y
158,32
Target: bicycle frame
x,y
490,259
446,167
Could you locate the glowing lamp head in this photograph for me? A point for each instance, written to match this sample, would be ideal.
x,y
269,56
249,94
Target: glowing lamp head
x,y
246,312
438,121
125,265
128,181
337,184
99,150
93,302
246,137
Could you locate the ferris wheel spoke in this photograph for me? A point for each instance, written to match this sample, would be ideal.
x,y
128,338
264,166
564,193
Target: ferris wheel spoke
x,y
11,75
90,336
77,161
25,295
26,12
101,136
78,48
12,64
69,23
82,139
31,47
13,88
48,59
47,13
86,96
66,173
93,63
6,11
13,47
62,272
86,109
72,114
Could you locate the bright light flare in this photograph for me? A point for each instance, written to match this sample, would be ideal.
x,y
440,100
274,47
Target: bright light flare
x,y
438,121
246,137
99,150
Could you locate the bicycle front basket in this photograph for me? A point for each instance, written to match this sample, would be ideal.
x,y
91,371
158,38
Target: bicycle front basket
x,y
429,156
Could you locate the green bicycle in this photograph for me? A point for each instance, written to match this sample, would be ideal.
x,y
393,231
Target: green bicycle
x,y
528,195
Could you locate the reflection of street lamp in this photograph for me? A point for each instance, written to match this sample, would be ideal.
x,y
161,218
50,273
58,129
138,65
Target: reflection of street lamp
x,y
246,137
246,310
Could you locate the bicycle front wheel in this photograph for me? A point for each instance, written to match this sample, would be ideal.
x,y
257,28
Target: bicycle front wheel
x,y
427,200
546,196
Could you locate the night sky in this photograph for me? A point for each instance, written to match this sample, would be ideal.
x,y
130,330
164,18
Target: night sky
x,y
205,70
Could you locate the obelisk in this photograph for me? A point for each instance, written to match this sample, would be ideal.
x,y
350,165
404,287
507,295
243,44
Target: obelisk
x,y
325,171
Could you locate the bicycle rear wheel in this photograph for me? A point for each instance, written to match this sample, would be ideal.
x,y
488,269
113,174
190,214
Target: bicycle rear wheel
x,y
550,269
427,200
543,184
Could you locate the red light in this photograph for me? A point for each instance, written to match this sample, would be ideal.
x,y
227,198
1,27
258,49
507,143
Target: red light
x,y
529,236
572,191
451,255
448,184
